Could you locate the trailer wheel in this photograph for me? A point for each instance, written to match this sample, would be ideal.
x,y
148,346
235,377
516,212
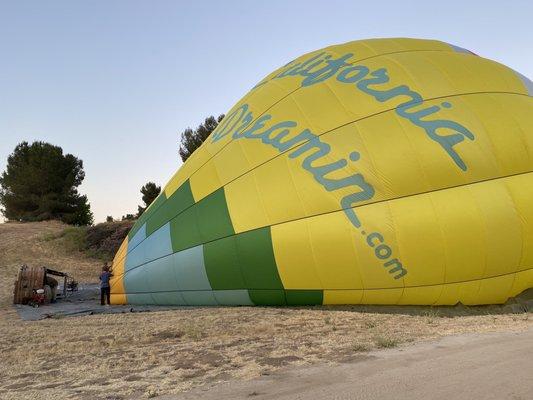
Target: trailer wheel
x,y
47,294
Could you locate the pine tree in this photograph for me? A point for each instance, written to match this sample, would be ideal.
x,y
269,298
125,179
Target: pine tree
x,y
192,139
150,191
40,183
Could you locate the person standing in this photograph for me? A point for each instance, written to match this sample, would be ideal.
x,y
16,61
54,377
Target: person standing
x,y
105,289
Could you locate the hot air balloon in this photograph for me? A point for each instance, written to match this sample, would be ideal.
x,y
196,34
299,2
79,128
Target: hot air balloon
x,y
382,171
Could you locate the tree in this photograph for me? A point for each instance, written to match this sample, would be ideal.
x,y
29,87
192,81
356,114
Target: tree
x,y
149,191
109,218
40,183
128,217
192,139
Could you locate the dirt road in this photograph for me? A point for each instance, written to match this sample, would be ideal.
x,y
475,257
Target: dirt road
x,y
490,366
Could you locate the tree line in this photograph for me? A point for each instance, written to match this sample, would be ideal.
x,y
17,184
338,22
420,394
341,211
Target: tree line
x,y
41,183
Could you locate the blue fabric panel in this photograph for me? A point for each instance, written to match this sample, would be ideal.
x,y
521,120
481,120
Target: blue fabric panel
x,y
139,236
169,299
199,298
158,244
190,269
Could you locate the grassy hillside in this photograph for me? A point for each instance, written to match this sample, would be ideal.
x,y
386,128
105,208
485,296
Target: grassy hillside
x,y
40,243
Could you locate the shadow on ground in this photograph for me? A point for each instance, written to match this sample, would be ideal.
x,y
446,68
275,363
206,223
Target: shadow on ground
x,y
86,302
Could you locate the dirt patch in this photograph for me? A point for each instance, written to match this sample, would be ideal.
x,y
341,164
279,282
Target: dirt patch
x,y
279,361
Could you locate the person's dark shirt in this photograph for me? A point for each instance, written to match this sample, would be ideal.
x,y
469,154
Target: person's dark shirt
x,y
104,279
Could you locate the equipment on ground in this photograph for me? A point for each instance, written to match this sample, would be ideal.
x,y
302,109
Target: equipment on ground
x,y
38,298
36,285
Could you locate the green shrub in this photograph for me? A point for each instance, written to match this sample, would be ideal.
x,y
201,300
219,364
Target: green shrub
x,y
74,238
100,241
103,240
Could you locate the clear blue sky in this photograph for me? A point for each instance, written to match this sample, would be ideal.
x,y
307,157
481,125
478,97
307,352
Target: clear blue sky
x,y
113,82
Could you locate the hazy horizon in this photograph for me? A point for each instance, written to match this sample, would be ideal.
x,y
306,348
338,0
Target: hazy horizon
x,y
114,82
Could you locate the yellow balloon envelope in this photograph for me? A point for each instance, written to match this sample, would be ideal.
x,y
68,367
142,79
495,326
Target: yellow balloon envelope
x,y
384,171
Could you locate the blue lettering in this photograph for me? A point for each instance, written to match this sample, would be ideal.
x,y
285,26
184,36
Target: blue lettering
x,y
258,124
398,267
332,67
230,121
370,237
348,73
297,68
383,251
343,77
348,201
276,140
380,77
303,136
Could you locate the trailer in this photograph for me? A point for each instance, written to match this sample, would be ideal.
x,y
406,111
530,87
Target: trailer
x,y
38,285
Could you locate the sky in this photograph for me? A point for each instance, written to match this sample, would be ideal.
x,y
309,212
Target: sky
x,y
115,82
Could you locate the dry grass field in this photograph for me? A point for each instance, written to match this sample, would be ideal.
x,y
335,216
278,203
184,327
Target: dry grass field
x,y
143,355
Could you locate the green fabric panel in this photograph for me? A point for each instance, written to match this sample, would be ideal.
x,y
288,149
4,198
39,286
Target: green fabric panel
x,y
232,297
207,220
180,200
184,230
304,297
257,262
222,264
267,297
213,216
146,215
